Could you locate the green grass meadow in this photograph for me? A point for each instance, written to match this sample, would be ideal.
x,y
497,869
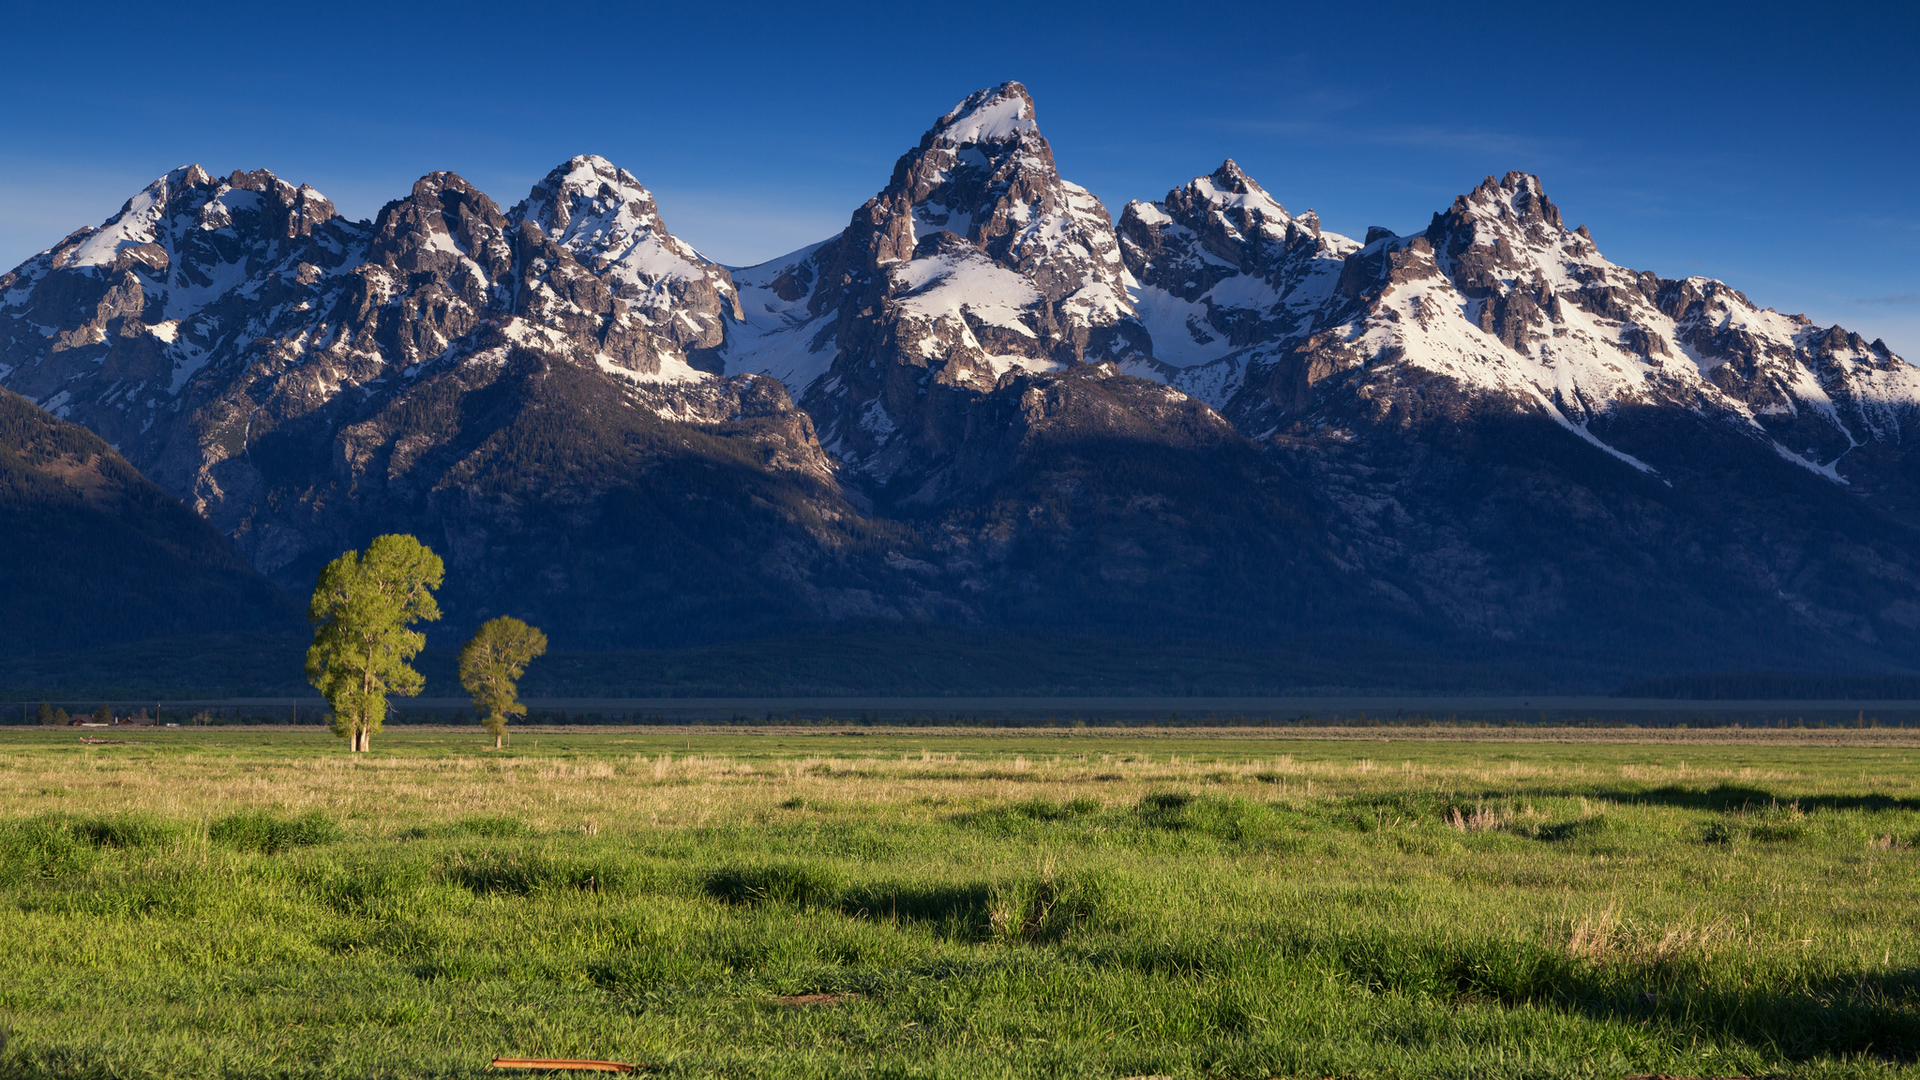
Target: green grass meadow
x,y
788,903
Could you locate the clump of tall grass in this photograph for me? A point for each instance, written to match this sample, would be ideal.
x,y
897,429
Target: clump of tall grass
x,y
1590,827
528,873
1022,818
1770,824
125,831
1049,810
268,833
1052,906
1233,820
1481,819
363,886
1605,936
799,884
57,845
43,847
1775,823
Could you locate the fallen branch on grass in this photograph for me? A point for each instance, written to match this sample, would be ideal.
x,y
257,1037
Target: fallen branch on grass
x,y
564,1063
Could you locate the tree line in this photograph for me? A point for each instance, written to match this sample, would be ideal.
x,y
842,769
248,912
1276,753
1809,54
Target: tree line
x,y
363,612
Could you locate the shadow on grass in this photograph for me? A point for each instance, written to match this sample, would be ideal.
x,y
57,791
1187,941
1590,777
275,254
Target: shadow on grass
x,y
1734,797
529,873
956,910
964,905
1720,797
1872,1015
1041,908
1876,1015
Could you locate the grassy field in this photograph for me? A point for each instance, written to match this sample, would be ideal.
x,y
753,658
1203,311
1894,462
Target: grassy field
x,y
792,903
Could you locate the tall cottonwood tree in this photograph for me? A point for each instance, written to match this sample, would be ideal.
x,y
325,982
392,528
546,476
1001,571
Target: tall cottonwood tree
x,y
361,611
490,668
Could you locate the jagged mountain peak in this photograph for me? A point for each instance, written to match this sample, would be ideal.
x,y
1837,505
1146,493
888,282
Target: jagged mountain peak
x,y
1516,206
451,192
1519,195
1237,201
450,188
443,199
1506,233
1516,313
1231,179
1218,267
166,186
984,176
975,263
187,202
998,114
590,198
985,173
449,228
605,218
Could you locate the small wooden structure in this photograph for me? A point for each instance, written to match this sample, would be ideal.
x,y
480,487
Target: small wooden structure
x,y
580,1064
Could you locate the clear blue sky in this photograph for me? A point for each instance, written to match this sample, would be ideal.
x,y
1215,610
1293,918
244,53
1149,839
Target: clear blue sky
x,y
1773,147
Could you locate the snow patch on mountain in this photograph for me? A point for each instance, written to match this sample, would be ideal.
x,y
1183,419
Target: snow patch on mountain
x,y
966,283
673,369
602,216
137,223
776,334
989,116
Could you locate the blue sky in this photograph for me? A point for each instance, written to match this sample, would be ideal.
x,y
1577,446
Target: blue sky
x,y
1773,147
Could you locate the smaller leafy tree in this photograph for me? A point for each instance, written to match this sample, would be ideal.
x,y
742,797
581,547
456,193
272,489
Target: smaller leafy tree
x,y
60,717
103,715
361,611
45,715
491,665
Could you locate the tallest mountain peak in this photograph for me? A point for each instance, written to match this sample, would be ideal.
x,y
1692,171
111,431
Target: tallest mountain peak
x,y
999,114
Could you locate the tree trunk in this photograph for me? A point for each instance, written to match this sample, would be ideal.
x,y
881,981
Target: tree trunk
x,y
496,742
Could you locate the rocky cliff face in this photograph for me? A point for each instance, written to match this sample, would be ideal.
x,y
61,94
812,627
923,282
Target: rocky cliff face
x,y
1222,274
590,236
984,403
977,263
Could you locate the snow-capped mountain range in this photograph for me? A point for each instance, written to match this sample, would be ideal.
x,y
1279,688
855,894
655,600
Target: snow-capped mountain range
x,y
895,402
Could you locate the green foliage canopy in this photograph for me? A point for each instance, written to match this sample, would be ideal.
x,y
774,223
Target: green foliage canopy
x,y
361,612
491,665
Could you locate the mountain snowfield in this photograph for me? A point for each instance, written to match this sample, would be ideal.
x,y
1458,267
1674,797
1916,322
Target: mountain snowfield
x,y
301,380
